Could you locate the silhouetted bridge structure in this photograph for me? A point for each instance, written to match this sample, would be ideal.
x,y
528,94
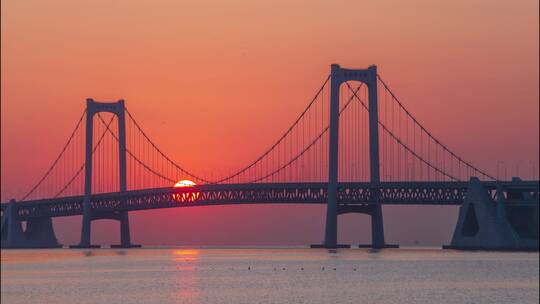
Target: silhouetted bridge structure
x,y
350,169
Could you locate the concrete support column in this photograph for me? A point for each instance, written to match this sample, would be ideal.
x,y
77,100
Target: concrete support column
x,y
377,228
39,233
87,210
15,235
501,211
125,239
330,233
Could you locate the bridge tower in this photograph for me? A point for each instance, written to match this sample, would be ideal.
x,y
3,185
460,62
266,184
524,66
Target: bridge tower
x,y
369,78
118,109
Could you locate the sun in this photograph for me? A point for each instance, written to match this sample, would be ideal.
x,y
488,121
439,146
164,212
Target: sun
x,y
184,183
186,195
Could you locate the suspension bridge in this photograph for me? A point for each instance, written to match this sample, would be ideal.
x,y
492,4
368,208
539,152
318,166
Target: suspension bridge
x,y
353,148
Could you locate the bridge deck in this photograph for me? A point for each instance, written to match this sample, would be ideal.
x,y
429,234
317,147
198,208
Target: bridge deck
x,y
349,194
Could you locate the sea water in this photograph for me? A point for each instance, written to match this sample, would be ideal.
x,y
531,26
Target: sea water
x,y
264,275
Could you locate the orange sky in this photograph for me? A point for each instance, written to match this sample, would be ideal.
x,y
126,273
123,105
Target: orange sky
x,y
202,76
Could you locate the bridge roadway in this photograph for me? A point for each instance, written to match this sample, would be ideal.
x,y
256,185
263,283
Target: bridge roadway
x,y
350,195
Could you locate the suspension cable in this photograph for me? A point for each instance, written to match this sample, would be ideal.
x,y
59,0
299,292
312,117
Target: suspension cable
x,y
301,153
84,163
132,155
430,134
161,152
250,165
400,142
57,158
315,98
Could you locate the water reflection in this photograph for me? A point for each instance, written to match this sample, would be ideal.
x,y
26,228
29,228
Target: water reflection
x,y
186,275
186,254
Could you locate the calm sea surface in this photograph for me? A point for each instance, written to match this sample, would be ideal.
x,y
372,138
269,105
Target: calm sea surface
x,y
182,275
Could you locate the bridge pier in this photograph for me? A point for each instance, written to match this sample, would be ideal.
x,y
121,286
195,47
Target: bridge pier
x,y
377,232
86,228
125,239
499,223
39,232
377,237
118,109
121,216
377,228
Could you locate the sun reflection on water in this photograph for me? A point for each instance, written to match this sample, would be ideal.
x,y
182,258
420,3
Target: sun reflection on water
x,y
186,275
